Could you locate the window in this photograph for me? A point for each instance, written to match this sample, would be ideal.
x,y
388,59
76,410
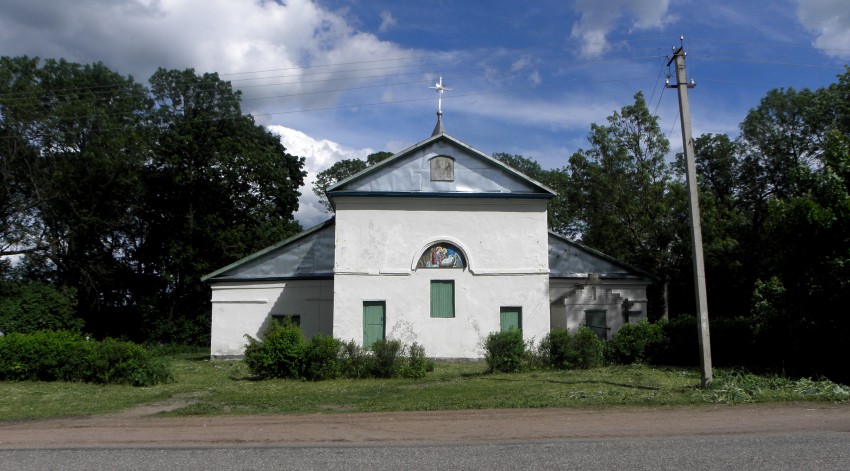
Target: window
x,y
510,318
295,319
596,319
442,298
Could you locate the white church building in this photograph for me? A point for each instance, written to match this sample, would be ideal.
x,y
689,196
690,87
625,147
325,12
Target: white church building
x,y
441,245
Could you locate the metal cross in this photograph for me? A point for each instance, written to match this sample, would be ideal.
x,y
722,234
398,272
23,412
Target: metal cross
x,y
440,89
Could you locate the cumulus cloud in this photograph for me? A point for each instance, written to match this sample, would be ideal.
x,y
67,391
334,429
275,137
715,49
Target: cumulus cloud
x,y
299,45
599,17
319,155
829,20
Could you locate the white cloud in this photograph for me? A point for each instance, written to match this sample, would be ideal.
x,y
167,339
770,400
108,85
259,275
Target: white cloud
x,y
600,17
569,113
318,155
387,22
829,20
298,42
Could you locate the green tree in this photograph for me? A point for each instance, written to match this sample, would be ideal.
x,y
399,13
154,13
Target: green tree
x,y
340,171
628,203
127,196
218,187
72,151
561,216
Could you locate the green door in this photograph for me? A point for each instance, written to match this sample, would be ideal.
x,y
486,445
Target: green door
x,y
373,322
510,318
596,320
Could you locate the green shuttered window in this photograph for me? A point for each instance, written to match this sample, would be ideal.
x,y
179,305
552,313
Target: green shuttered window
x,y
510,318
442,298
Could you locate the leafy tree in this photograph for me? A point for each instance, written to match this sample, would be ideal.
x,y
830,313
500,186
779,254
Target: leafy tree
x,y
72,151
218,187
561,217
127,195
340,171
628,203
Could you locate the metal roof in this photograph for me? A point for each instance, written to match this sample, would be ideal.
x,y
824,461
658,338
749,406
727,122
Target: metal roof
x,y
568,259
307,255
408,173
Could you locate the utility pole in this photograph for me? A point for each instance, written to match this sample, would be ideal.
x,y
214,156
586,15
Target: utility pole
x,y
682,86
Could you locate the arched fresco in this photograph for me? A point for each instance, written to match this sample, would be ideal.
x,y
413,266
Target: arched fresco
x,y
441,255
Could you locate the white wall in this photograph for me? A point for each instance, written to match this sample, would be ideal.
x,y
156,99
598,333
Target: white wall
x,y
240,308
379,240
576,297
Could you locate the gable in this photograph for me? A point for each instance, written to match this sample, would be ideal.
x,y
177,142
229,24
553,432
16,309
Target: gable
x,y
441,165
308,255
568,259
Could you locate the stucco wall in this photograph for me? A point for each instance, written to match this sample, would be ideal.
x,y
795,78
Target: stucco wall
x,y
378,241
568,311
246,308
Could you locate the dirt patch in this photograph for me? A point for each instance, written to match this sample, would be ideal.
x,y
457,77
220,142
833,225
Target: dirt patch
x,y
453,427
177,401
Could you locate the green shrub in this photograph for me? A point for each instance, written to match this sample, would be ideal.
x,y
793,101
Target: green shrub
x,y
280,353
354,360
636,343
589,348
417,364
68,356
505,351
30,307
387,359
682,347
322,358
557,350
283,353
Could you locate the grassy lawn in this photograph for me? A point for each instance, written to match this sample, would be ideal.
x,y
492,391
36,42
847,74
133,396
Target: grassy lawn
x,y
226,387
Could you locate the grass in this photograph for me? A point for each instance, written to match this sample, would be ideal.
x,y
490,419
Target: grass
x,y
226,387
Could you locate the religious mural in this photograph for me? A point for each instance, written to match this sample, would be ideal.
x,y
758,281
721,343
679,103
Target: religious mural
x,y
441,256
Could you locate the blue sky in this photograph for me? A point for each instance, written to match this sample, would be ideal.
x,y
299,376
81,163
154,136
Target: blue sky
x,y
344,78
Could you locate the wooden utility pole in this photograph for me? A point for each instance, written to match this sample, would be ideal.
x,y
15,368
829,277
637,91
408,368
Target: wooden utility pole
x,y
682,86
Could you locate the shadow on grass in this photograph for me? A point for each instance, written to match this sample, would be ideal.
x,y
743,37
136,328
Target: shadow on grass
x,y
609,383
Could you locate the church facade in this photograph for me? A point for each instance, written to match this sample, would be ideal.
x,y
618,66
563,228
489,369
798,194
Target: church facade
x,y
440,245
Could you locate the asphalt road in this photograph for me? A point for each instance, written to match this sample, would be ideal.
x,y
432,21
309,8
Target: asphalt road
x,y
781,451
783,437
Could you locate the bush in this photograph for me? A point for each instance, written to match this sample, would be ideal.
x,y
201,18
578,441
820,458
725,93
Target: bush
x,y
30,307
280,353
283,353
637,343
68,356
589,348
354,360
322,358
387,359
557,351
417,363
505,351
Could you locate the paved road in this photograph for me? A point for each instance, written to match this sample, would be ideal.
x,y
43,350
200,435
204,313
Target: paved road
x,y
806,436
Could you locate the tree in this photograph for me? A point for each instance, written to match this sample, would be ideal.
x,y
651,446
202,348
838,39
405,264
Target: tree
x,y
218,187
627,201
340,171
560,214
126,196
72,151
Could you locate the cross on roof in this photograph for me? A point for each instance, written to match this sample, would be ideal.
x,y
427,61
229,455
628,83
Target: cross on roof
x,y
440,89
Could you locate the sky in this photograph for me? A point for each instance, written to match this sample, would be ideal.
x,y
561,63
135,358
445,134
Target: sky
x,y
340,79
